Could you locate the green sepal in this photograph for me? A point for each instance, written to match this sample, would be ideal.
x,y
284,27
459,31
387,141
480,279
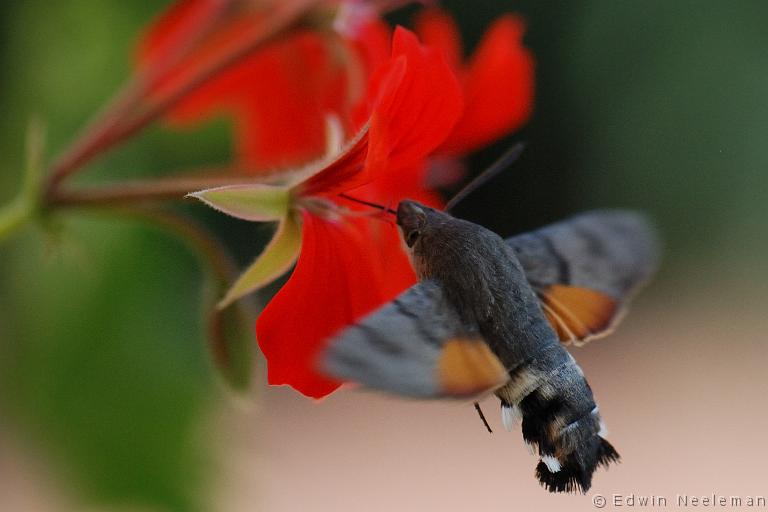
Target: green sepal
x,y
254,202
276,259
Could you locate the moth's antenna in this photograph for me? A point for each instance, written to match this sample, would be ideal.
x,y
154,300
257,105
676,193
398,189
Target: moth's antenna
x,y
499,165
368,203
482,417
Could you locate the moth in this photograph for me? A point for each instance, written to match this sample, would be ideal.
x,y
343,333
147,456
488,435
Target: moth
x,y
493,316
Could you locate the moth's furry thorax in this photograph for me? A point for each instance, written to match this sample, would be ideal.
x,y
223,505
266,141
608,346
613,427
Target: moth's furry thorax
x,y
436,242
479,273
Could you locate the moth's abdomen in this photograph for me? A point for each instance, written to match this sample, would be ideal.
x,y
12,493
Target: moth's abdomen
x,y
561,422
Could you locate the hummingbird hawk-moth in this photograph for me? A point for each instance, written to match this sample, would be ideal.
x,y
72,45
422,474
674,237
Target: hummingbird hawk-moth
x,y
493,315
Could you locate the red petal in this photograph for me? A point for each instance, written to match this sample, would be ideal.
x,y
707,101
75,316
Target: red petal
x,y
384,237
438,30
373,44
180,29
396,267
417,103
498,90
282,117
345,172
391,261
334,283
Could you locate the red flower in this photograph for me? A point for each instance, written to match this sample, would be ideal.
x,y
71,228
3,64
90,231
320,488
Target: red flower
x,y
414,103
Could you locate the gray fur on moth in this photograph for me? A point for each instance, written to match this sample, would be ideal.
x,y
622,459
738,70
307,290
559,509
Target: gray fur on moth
x,y
474,284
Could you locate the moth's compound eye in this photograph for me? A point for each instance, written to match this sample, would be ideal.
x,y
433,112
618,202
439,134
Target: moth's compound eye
x,y
412,237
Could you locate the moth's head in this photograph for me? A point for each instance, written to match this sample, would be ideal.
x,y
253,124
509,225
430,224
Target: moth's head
x,y
434,237
412,219
421,226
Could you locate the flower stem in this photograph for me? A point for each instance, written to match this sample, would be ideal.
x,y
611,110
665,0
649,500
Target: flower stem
x,y
25,205
138,192
121,194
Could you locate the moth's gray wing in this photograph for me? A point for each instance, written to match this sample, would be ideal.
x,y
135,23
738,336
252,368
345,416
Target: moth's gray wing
x,y
415,346
611,251
586,268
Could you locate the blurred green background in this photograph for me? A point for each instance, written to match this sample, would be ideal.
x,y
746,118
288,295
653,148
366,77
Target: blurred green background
x,y
104,376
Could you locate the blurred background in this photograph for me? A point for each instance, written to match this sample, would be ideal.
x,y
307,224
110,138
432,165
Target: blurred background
x,y
107,398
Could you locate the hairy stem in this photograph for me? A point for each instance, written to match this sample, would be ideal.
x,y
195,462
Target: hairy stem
x,y
137,192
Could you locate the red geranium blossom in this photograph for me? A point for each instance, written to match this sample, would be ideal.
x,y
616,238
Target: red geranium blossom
x,y
339,276
405,106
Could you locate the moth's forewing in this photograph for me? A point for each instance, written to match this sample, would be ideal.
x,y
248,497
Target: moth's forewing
x,y
415,346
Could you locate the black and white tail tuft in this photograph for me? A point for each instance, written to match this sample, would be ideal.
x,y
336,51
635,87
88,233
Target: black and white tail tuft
x,y
575,474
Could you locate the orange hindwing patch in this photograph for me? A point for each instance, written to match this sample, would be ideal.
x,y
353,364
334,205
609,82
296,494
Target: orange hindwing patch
x,y
578,314
468,367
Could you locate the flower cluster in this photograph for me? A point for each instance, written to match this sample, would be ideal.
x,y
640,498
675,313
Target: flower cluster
x,y
338,109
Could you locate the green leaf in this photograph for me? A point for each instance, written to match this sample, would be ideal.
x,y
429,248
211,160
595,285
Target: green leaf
x,y
254,202
279,255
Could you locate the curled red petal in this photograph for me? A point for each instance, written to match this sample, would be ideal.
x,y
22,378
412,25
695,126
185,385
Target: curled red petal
x,y
334,283
417,103
498,89
413,115
414,100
